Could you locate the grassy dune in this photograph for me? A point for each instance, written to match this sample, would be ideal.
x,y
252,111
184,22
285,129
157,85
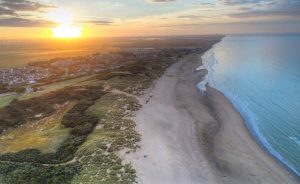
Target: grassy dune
x,y
46,134
115,132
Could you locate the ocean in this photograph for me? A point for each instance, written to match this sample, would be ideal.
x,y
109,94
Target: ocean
x,y
260,75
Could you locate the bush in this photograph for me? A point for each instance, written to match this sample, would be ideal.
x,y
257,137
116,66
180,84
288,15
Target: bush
x,y
82,129
37,173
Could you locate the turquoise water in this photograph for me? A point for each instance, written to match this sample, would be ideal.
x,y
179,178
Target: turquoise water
x,y
261,77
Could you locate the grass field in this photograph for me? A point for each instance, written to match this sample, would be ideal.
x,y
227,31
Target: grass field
x,y
46,134
9,97
54,86
6,99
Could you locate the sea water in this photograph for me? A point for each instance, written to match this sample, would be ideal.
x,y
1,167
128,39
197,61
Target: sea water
x,y
260,75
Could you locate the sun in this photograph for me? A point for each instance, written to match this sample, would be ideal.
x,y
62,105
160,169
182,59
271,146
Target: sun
x,y
64,18
66,31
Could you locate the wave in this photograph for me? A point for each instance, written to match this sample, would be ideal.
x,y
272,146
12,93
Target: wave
x,y
251,120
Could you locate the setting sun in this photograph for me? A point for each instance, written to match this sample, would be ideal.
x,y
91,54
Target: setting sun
x,y
66,29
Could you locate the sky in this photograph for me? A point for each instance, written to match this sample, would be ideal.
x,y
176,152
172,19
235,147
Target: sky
x,y
30,18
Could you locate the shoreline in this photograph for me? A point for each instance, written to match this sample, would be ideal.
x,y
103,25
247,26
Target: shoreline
x,y
277,172
189,138
255,134
257,139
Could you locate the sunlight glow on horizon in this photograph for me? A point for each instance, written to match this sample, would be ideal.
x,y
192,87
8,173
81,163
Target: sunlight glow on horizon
x,y
51,19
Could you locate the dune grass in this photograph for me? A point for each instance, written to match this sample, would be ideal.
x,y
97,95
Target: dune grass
x,y
100,164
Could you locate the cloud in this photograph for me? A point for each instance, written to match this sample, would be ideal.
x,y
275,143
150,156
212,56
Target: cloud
x,y
5,11
161,1
12,7
180,25
96,22
207,3
21,22
243,2
245,9
13,13
22,5
265,8
248,23
189,16
267,13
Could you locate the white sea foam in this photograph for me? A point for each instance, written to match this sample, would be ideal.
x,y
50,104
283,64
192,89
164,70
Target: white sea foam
x,y
252,121
202,86
252,124
296,139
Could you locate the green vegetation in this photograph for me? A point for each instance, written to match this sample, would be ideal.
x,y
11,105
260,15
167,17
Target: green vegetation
x,y
46,134
98,124
6,99
96,159
81,125
100,164
19,112
24,173
53,87
134,78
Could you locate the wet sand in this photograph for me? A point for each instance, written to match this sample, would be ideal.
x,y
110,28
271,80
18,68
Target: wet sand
x,y
192,138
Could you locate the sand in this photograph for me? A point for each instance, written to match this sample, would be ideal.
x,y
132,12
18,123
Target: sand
x,y
192,138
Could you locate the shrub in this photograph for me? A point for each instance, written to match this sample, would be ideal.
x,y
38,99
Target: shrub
x,y
82,129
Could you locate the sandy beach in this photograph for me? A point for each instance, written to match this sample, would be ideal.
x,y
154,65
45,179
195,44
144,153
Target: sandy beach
x,y
192,138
